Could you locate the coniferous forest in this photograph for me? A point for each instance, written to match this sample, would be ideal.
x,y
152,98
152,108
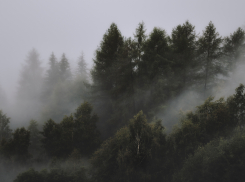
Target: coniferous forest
x,y
105,124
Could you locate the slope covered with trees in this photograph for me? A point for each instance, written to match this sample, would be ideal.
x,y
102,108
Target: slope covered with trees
x,y
114,134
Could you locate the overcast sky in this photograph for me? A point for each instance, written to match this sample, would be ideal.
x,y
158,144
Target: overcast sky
x,y
72,26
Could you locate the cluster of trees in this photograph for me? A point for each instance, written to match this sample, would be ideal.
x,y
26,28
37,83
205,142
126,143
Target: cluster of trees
x,y
72,139
52,93
208,144
144,72
132,79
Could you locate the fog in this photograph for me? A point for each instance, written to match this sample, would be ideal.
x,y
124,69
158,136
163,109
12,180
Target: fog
x,y
39,37
74,26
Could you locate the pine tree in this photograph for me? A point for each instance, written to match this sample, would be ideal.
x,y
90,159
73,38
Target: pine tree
x,y
105,75
183,44
31,77
52,76
139,39
82,68
65,72
107,54
29,90
234,48
51,80
157,65
5,131
86,135
209,47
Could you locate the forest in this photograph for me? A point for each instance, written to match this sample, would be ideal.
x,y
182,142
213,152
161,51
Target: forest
x,y
111,123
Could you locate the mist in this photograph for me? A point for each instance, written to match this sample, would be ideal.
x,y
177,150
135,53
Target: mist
x,y
76,77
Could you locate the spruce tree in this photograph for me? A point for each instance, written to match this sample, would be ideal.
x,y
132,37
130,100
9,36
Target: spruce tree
x,y
65,72
183,44
52,76
82,68
209,47
105,74
157,65
29,90
234,48
107,54
5,131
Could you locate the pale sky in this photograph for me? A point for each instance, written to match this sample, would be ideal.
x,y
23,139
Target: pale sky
x,y
73,26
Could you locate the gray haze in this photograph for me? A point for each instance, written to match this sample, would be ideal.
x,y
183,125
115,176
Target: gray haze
x,y
73,26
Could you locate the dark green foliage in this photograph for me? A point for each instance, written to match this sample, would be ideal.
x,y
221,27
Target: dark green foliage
x,y
59,140
130,75
128,155
21,142
51,137
220,160
16,148
105,75
35,138
86,135
156,66
183,44
106,55
209,48
211,120
237,106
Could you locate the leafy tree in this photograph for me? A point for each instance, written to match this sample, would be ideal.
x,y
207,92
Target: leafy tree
x,y
127,155
80,133
219,160
211,120
209,47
